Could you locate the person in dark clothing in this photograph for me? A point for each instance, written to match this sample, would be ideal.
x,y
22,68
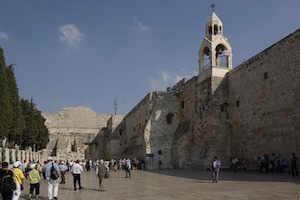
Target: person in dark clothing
x,y
294,165
4,171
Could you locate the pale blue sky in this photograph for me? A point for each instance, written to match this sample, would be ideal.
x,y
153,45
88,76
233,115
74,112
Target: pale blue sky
x,y
88,53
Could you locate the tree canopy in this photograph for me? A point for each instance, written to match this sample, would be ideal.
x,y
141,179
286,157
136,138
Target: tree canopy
x,y
21,123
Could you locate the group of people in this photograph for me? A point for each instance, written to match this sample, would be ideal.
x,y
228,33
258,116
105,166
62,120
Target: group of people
x,y
53,173
265,162
273,163
12,180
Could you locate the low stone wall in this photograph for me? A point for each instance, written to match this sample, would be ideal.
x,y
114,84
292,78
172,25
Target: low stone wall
x,y
12,155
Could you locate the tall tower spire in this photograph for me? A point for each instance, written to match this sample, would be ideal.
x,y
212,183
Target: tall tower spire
x,y
215,58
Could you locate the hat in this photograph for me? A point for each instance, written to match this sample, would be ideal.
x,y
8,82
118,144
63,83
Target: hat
x,y
4,164
49,158
32,166
17,164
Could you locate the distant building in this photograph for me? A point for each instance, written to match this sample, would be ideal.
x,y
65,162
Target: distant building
x,y
245,111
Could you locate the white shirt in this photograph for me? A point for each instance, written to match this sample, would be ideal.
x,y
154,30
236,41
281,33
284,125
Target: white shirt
x,y
76,169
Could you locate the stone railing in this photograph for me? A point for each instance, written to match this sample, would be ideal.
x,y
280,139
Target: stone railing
x,y
12,155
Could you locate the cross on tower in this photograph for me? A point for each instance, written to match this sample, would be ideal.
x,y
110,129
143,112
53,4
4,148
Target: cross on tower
x,y
115,106
213,5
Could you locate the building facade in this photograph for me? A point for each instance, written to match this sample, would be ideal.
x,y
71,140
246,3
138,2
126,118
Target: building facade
x,y
244,112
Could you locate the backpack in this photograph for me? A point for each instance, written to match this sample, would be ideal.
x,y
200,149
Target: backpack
x,y
7,183
54,174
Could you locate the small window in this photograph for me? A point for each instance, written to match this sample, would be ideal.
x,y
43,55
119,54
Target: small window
x,y
265,75
216,31
120,131
169,118
210,30
237,103
182,104
222,108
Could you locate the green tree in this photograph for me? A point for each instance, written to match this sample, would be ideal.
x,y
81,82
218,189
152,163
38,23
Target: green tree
x,y
17,126
5,107
35,132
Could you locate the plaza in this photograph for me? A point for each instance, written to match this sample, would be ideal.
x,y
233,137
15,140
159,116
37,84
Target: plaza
x,y
178,184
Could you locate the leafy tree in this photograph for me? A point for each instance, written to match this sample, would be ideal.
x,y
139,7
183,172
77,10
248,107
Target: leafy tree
x,y
35,133
18,124
5,107
20,121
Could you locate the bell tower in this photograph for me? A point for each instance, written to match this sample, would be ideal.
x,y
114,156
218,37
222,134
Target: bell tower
x,y
215,57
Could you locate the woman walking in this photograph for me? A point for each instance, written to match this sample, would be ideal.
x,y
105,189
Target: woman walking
x,y
34,179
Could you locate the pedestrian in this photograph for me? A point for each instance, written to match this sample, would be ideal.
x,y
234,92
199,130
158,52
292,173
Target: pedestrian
x,y
52,182
128,168
216,164
76,171
63,169
235,162
294,165
19,179
272,161
34,179
7,194
101,173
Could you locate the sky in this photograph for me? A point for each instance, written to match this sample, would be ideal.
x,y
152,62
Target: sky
x,y
93,53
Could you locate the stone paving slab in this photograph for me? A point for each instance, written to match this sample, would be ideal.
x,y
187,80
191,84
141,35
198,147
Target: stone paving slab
x,y
178,185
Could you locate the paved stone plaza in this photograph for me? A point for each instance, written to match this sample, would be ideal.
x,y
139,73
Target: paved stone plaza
x,y
180,184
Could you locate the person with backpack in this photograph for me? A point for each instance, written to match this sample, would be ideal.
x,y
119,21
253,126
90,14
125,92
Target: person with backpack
x,y
19,179
7,182
52,174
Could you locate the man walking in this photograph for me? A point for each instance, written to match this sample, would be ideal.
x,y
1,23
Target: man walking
x,y
63,169
76,171
51,182
216,164
128,168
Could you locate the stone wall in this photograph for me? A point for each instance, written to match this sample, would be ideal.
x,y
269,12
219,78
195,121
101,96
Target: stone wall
x,y
264,102
252,110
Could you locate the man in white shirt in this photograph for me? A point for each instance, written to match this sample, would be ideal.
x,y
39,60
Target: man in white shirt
x,y
76,171
216,164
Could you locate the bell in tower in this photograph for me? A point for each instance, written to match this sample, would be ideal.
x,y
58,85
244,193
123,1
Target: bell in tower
x,y
215,58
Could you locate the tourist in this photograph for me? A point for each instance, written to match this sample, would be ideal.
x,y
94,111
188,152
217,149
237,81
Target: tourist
x,y
76,171
294,165
34,179
272,161
19,179
128,168
63,169
216,164
6,195
52,183
235,162
264,163
101,173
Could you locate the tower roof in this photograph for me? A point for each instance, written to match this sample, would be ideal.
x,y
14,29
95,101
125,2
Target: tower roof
x,y
214,18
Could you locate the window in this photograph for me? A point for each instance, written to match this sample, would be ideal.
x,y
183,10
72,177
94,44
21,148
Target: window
x,y
182,104
169,118
265,75
237,103
120,131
